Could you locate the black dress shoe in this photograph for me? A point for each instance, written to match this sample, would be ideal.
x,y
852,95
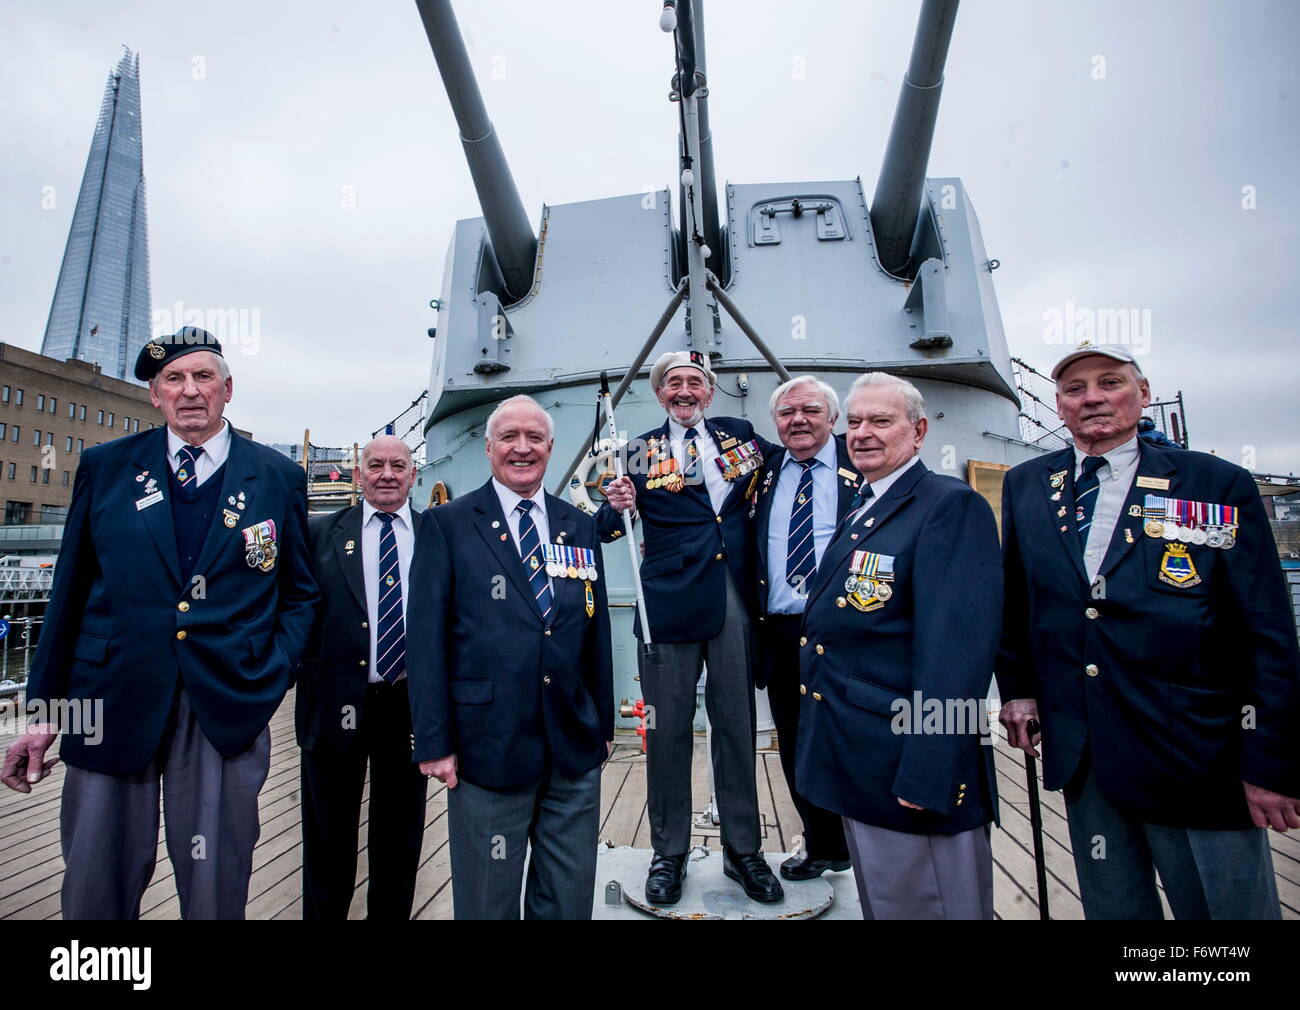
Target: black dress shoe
x,y
753,874
663,885
805,867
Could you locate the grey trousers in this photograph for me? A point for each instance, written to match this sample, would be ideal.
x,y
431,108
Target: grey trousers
x,y
903,876
668,682
1208,874
109,827
491,831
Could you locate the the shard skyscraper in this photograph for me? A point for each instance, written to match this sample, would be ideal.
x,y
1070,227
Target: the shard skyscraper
x,y
101,309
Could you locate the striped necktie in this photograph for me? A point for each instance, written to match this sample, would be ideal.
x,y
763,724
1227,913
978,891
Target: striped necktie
x,y
530,551
800,556
188,472
390,646
1086,490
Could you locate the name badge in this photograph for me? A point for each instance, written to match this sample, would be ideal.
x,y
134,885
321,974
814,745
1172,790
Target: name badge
x,y
1154,483
147,500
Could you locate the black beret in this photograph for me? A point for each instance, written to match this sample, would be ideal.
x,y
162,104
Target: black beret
x,y
160,350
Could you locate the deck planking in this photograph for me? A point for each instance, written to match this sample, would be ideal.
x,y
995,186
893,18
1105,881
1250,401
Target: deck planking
x,y
31,862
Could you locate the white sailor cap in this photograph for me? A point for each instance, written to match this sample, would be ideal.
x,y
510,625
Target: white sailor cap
x,y
680,359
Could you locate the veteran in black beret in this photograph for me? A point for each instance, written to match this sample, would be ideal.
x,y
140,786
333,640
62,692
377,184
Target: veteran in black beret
x,y
181,606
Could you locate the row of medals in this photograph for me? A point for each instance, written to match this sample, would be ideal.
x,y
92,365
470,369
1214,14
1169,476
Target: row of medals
x,y
663,467
868,587
1221,537
665,474
558,570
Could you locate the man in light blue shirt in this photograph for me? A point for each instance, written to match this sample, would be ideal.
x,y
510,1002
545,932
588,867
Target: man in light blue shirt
x,y
803,492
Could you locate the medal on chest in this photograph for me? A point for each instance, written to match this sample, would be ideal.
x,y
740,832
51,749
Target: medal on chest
x,y
868,585
741,459
663,470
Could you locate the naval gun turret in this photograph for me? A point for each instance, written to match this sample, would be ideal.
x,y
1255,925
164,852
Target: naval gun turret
x,y
777,278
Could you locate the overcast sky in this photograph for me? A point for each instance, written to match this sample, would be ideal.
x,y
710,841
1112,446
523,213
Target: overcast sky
x,y
1105,146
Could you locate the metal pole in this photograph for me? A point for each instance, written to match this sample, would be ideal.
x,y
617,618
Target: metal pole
x,y
1036,824
725,301
630,375
690,82
647,646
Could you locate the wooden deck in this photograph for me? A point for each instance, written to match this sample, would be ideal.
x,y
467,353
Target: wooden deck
x,y
31,867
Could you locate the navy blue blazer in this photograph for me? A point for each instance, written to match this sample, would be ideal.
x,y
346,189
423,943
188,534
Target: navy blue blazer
x,y
689,547
490,681
335,668
1176,666
934,642
122,627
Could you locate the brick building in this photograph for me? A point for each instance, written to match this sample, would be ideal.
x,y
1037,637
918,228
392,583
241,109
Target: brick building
x,y
50,411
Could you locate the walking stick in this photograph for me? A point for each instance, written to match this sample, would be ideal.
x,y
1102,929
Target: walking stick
x,y
1036,824
647,646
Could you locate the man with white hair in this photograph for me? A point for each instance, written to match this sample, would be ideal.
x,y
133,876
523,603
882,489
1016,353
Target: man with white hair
x,y
804,490
899,636
511,679
692,480
182,603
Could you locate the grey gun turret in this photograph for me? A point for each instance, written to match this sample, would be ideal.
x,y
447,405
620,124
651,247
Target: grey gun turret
x,y
834,286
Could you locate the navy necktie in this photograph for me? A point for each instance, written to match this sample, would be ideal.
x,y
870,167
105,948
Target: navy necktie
x,y
1086,490
390,646
188,472
691,469
530,552
800,555
863,495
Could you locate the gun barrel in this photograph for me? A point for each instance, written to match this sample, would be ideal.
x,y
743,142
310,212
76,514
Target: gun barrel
x,y
512,236
902,174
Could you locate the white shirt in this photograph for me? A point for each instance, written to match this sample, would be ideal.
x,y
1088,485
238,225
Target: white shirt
x,y
714,482
208,462
510,505
405,534
878,489
1115,480
781,596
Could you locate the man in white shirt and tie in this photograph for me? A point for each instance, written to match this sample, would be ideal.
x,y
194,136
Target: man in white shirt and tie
x,y
512,680
182,602
352,704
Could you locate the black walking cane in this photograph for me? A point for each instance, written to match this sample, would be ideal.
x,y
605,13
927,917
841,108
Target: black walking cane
x,y
1036,823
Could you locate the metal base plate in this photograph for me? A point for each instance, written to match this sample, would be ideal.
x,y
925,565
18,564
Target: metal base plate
x,y
707,893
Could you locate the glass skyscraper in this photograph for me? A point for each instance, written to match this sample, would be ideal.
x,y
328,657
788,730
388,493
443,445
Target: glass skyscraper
x,y
101,309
